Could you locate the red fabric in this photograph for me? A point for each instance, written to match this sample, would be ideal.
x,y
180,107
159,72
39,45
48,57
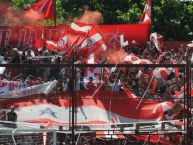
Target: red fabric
x,y
111,34
154,85
51,45
128,92
92,42
39,43
27,35
45,7
63,41
75,39
176,70
164,73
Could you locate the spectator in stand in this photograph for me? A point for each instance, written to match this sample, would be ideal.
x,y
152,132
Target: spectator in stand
x,y
12,116
65,84
29,56
82,84
3,116
1,77
15,56
77,84
38,81
169,115
29,81
90,85
116,85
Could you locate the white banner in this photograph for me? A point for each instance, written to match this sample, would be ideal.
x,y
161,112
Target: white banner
x,y
7,86
44,88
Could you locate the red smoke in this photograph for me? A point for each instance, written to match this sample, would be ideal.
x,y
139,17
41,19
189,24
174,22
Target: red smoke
x,y
116,56
32,16
90,17
8,13
15,17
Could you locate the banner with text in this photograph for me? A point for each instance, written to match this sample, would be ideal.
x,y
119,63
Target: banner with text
x,y
20,36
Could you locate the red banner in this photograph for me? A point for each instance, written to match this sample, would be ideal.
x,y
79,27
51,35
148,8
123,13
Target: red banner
x,y
19,36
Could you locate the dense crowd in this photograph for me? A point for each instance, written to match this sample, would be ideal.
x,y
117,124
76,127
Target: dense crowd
x,y
135,79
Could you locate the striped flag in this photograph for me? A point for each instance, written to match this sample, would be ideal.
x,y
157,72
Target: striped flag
x,y
146,16
94,40
57,112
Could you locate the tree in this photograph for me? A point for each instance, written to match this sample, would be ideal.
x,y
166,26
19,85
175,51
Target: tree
x,y
171,18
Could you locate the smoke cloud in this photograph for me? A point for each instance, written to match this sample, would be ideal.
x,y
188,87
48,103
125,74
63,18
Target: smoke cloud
x,y
117,56
11,16
90,17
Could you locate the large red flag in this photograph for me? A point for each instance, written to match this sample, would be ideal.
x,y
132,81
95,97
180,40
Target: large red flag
x,y
45,7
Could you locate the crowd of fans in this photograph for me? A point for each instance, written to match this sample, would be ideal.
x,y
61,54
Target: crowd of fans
x,y
135,79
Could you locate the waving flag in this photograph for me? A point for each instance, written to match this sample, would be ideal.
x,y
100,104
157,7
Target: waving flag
x,y
89,111
146,16
157,39
162,72
45,7
63,41
51,45
94,39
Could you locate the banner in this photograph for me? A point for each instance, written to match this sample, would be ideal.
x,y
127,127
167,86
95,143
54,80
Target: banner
x,y
102,109
44,88
7,86
26,36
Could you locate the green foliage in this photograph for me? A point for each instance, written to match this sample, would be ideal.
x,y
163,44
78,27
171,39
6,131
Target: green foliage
x,y
171,18
22,4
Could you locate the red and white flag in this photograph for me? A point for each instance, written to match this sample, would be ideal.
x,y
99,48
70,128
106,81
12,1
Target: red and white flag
x,y
63,41
146,16
60,44
157,39
57,112
44,7
51,45
93,40
162,72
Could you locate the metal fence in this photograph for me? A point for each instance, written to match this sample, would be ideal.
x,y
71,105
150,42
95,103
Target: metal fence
x,y
74,72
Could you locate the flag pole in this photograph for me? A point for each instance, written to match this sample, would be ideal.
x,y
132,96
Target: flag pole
x,y
55,13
